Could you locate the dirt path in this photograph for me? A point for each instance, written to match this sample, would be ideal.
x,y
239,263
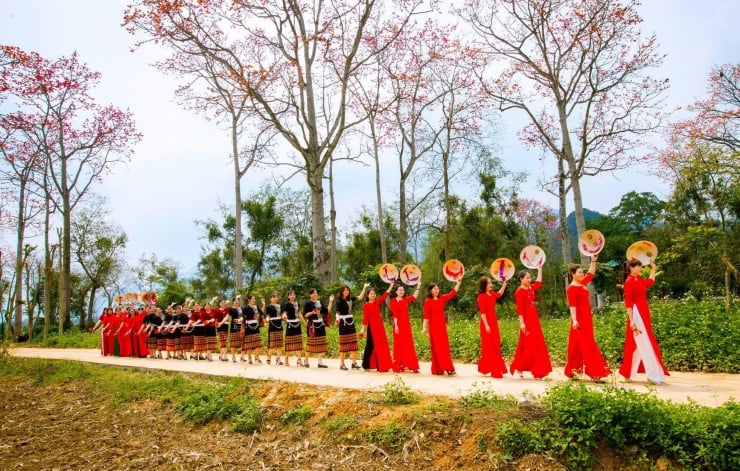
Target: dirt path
x,y
707,389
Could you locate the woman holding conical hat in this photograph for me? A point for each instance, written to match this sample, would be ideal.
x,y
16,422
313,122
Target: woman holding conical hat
x,y
491,362
435,324
584,356
404,351
641,351
531,350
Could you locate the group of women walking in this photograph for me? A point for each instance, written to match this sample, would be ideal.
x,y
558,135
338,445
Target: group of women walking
x,y
192,331
641,352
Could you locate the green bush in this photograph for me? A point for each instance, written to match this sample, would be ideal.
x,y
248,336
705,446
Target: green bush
x,y
297,416
484,396
390,438
579,419
220,403
394,393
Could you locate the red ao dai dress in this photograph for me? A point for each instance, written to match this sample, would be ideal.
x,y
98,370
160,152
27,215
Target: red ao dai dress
x,y
491,362
584,355
439,342
641,351
377,355
404,352
531,350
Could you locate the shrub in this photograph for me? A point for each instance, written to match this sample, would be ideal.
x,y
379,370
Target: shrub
x,y
579,419
220,403
396,392
389,438
298,416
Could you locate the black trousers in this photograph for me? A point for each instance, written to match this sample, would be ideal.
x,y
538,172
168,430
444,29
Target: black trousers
x,y
369,349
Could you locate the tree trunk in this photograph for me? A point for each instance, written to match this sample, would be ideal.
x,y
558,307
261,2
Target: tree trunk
x,y
563,214
315,175
402,222
19,259
31,306
446,193
60,275
332,224
238,259
65,290
88,320
378,197
48,266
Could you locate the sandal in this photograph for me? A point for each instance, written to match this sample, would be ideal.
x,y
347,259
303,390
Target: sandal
x,y
278,361
355,366
268,361
451,373
343,367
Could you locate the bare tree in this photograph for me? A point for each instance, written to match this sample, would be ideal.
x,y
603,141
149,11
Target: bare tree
x,y
580,71
292,59
79,139
211,89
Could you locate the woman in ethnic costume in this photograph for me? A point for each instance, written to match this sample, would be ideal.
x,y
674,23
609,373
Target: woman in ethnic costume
x,y
186,331
151,323
315,315
235,326
377,355
170,321
293,335
200,344
209,320
222,328
346,323
252,339
274,329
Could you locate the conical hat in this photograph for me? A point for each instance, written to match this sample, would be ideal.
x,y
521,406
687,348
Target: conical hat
x,y
410,275
388,273
453,270
532,256
591,242
503,269
644,251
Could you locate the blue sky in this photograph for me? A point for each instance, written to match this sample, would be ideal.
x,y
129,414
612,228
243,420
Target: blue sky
x,y
180,170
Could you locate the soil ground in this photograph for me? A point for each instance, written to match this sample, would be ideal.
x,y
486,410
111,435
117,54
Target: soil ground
x,y
73,427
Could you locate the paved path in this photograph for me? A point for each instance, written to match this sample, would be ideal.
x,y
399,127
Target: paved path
x,y
703,388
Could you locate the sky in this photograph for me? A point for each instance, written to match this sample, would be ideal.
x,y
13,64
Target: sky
x,y
180,171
